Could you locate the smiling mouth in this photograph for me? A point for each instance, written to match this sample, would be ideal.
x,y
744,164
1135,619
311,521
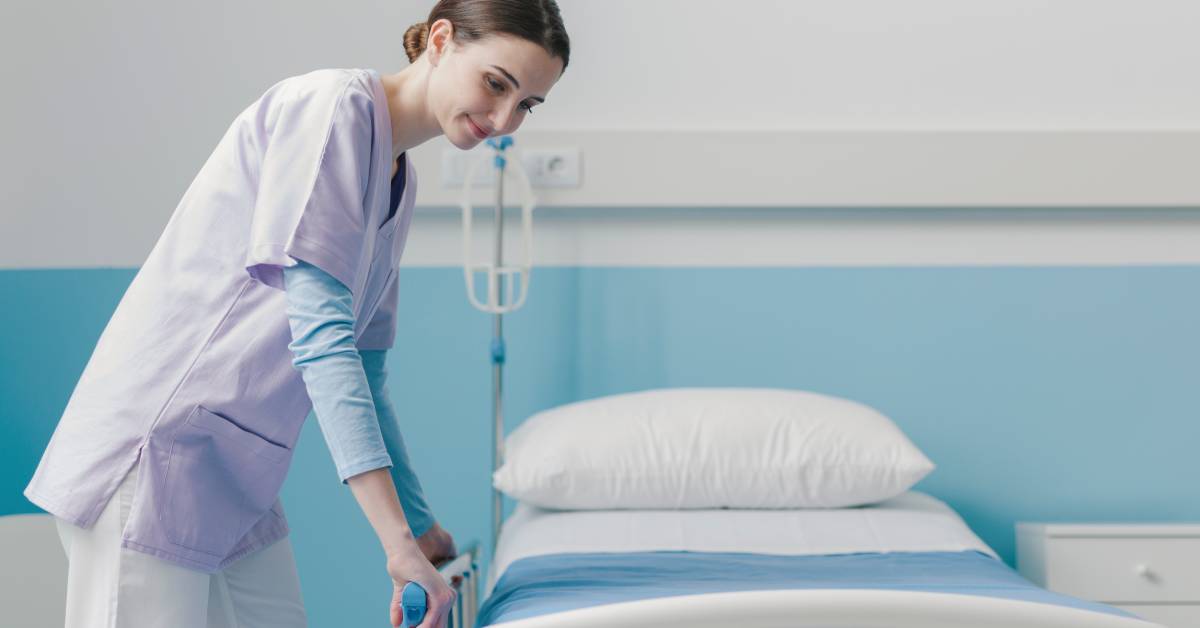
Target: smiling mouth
x,y
480,133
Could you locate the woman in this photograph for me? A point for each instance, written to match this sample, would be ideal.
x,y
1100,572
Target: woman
x,y
272,292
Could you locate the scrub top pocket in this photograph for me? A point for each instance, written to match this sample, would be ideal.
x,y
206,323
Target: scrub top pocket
x,y
220,478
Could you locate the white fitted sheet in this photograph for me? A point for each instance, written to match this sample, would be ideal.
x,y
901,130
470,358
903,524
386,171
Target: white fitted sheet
x,y
910,522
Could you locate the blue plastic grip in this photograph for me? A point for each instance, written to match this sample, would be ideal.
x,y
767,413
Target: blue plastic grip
x,y
497,349
412,604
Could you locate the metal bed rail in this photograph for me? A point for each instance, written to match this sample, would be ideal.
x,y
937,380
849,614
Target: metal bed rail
x,y
462,574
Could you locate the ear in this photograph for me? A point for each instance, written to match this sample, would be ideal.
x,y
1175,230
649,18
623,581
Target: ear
x,y
441,38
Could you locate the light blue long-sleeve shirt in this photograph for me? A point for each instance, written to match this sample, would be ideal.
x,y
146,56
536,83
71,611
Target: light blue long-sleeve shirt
x,y
347,387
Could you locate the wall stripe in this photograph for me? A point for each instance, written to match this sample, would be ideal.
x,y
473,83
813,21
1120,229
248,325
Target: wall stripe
x,y
828,166
746,237
757,237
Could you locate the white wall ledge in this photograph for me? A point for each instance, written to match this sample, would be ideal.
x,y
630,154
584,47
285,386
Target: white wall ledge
x,y
861,168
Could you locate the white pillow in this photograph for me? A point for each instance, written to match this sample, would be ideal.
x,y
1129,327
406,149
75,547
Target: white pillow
x,y
709,448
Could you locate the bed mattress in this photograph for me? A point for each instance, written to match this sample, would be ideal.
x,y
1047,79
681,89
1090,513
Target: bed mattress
x,y
911,522
551,561
553,583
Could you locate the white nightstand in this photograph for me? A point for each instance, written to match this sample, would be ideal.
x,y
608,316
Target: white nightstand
x,y
1152,570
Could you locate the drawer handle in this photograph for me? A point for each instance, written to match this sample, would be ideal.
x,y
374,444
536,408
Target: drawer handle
x,y
1143,570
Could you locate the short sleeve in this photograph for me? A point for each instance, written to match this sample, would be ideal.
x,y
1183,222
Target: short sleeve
x,y
312,184
380,333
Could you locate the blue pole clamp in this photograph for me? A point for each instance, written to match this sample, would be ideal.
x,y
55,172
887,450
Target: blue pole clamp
x,y
497,351
500,145
412,603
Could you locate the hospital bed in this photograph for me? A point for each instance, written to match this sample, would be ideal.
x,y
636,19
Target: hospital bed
x,y
741,507
909,561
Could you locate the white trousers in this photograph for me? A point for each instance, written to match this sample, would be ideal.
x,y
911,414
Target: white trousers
x,y
109,586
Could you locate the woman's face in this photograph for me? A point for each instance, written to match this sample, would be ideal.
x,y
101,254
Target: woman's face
x,y
486,88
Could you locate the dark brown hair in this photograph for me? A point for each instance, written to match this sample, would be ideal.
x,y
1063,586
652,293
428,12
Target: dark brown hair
x,y
537,21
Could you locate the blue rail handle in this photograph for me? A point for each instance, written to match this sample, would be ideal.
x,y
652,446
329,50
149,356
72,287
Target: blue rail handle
x,y
412,604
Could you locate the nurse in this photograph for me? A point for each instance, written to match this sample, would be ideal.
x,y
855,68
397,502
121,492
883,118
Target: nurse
x,y
272,292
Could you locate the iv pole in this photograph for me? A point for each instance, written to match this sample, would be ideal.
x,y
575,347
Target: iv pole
x,y
500,298
498,339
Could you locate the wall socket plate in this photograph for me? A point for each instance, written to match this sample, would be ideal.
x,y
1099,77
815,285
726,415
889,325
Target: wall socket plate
x,y
552,167
546,167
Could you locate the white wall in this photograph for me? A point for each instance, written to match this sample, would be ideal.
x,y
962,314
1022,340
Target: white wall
x,y
758,64
111,108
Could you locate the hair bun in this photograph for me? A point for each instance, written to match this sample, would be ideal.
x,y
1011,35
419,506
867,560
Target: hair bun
x,y
414,40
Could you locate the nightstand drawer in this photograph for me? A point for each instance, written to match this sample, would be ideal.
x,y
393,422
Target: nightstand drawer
x,y
1124,569
1169,615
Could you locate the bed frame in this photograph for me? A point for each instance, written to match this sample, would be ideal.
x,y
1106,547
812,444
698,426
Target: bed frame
x,y
462,574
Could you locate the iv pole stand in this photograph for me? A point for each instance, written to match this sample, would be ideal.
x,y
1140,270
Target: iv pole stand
x,y
499,284
497,347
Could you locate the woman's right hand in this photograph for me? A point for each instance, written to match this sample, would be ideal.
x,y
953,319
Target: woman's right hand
x,y
406,563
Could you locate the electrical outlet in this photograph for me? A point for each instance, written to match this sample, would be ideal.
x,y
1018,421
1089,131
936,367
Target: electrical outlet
x,y
552,168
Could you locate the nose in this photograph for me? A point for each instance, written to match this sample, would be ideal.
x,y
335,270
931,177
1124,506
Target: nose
x,y
501,120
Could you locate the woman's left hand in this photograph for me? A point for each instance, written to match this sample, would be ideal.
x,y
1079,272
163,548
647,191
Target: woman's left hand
x,y
437,544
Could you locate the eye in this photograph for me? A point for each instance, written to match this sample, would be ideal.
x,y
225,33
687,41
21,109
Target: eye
x,y
499,87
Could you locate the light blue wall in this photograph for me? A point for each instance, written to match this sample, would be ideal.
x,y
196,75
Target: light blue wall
x,y
1052,393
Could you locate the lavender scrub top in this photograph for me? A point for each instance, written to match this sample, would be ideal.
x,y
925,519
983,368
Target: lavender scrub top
x,y
191,384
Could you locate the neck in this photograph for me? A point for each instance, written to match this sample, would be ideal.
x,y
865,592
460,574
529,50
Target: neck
x,y
413,123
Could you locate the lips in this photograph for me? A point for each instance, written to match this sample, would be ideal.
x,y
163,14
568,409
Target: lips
x,y
480,133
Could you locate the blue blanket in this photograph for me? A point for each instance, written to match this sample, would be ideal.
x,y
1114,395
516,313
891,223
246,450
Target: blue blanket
x,y
538,585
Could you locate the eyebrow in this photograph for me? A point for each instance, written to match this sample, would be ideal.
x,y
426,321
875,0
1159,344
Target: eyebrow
x,y
515,83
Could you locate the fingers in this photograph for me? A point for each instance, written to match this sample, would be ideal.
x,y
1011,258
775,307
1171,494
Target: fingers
x,y
439,610
395,612
433,620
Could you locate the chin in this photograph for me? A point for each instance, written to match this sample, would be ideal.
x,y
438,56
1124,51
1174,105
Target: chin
x,y
464,141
